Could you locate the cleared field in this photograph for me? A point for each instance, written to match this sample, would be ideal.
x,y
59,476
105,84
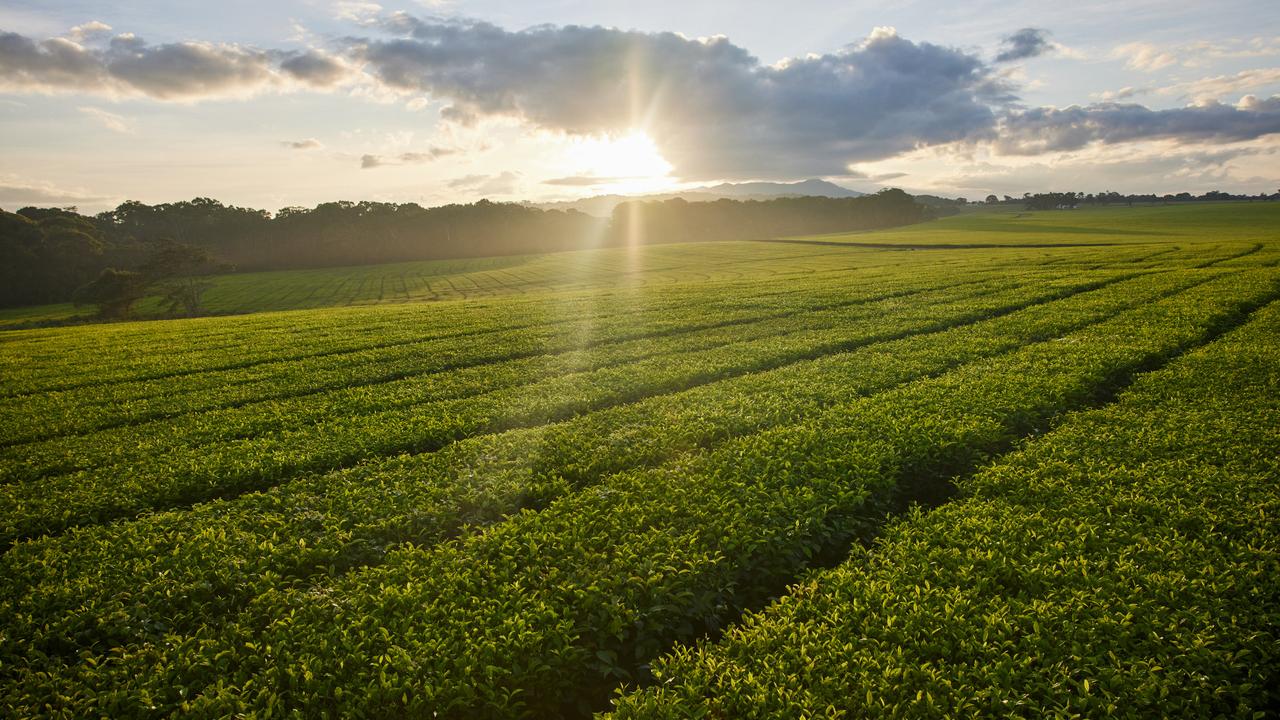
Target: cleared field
x,y
604,485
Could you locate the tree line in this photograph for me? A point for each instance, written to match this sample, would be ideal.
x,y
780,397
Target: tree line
x,y
1052,200
57,254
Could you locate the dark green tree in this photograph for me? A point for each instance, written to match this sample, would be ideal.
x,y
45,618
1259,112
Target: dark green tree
x,y
178,274
113,291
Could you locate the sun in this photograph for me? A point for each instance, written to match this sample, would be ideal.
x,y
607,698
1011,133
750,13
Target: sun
x,y
623,163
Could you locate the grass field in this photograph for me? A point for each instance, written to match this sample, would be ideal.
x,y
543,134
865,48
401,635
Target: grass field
x,y
1014,465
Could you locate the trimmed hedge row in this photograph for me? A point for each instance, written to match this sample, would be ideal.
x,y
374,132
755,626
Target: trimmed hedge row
x,y
176,571
1127,564
50,505
543,613
406,350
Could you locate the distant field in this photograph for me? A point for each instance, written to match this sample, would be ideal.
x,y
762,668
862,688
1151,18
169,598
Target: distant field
x,y
712,480
1190,223
1227,224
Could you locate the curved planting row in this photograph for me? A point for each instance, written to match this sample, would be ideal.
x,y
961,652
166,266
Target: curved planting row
x,y
106,354
131,583
542,613
156,359
1127,564
442,371
53,504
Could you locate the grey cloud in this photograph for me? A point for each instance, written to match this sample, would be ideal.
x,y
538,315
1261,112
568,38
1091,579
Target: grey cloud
x,y
888,176
713,110
127,65
1042,130
315,68
304,144
1023,44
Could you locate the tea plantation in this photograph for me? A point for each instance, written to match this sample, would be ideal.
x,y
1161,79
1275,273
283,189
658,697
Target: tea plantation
x,y
994,465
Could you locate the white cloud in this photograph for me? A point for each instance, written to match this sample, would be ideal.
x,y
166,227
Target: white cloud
x,y
1145,56
16,192
1149,57
360,12
1224,86
504,183
108,120
89,30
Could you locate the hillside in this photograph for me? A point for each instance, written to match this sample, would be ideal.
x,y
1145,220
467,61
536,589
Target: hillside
x,y
603,205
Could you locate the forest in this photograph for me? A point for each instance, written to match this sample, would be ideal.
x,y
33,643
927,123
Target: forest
x,y
47,254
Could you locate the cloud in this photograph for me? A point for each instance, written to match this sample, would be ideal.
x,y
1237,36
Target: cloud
x,y
128,66
91,29
712,109
1145,56
357,11
407,158
1155,167
1216,88
1123,93
584,180
16,193
316,68
502,184
108,120
1023,44
1150,57
304,144
856,174
1043,130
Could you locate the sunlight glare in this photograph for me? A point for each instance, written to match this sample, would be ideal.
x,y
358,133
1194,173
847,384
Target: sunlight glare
x,y
623,163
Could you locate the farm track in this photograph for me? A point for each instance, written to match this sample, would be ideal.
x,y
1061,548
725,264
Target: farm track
x,y
756,543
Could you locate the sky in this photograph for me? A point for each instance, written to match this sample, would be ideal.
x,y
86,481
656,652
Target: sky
x,y
297,102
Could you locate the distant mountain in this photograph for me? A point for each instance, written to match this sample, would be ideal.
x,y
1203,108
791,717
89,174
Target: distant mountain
x,y
820,188
603,205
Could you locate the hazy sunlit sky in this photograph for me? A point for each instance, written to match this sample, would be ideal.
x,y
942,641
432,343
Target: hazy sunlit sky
x,y
271,104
